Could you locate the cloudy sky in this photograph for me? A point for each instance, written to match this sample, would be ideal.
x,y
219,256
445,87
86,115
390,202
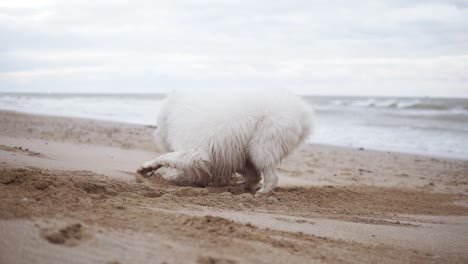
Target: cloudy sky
x,y
329,47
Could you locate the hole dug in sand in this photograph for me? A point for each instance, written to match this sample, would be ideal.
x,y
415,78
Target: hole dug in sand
x,y
70,235
214,260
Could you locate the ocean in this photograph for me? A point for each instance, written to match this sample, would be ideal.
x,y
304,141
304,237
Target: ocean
x,y
428,126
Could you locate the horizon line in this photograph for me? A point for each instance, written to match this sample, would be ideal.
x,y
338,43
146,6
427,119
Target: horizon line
x,y
165,93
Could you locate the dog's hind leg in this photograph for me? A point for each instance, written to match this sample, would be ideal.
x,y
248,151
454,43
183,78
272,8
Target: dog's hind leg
x,y
270,180
194,167
269,146
251,177
154,165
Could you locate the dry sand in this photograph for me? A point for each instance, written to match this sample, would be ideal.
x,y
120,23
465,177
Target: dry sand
x,y
70,194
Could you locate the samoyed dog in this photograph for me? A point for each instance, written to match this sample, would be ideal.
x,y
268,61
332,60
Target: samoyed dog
x,y
211,135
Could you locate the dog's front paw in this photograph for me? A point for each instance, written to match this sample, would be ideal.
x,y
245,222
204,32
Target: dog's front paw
x,y
265,189
251,188
262,191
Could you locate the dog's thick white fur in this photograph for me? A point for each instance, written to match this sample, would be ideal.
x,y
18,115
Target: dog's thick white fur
x,y
210,135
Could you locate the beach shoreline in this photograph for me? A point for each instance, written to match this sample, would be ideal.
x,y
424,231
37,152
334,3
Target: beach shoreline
x,y
427,126
70,194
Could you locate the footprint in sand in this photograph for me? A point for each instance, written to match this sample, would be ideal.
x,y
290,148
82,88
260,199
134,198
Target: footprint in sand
x,y
70,235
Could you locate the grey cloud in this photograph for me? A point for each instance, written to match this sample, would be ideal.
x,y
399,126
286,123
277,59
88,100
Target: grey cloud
x,y
151,45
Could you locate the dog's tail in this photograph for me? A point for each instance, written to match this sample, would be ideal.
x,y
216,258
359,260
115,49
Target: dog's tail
x,y
193,167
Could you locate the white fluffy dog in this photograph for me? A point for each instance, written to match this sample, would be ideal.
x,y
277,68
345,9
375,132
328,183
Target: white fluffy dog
x,y
211,135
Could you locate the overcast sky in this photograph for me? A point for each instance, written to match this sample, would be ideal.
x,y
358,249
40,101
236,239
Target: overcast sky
x,y
367,47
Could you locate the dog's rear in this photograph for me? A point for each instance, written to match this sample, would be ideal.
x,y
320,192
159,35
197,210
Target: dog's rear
x,y
211,141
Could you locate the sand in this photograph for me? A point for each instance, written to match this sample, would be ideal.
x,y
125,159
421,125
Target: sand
x,y
70,194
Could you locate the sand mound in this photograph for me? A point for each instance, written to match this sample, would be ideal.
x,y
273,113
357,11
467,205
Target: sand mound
x,y
74,189
22,150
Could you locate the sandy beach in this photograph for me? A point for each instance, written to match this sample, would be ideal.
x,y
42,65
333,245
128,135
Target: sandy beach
x,y
70,194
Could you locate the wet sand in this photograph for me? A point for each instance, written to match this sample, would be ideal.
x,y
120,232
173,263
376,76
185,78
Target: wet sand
x,y
70,194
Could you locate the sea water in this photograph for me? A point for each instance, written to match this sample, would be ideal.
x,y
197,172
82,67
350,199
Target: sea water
x,y
430,126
